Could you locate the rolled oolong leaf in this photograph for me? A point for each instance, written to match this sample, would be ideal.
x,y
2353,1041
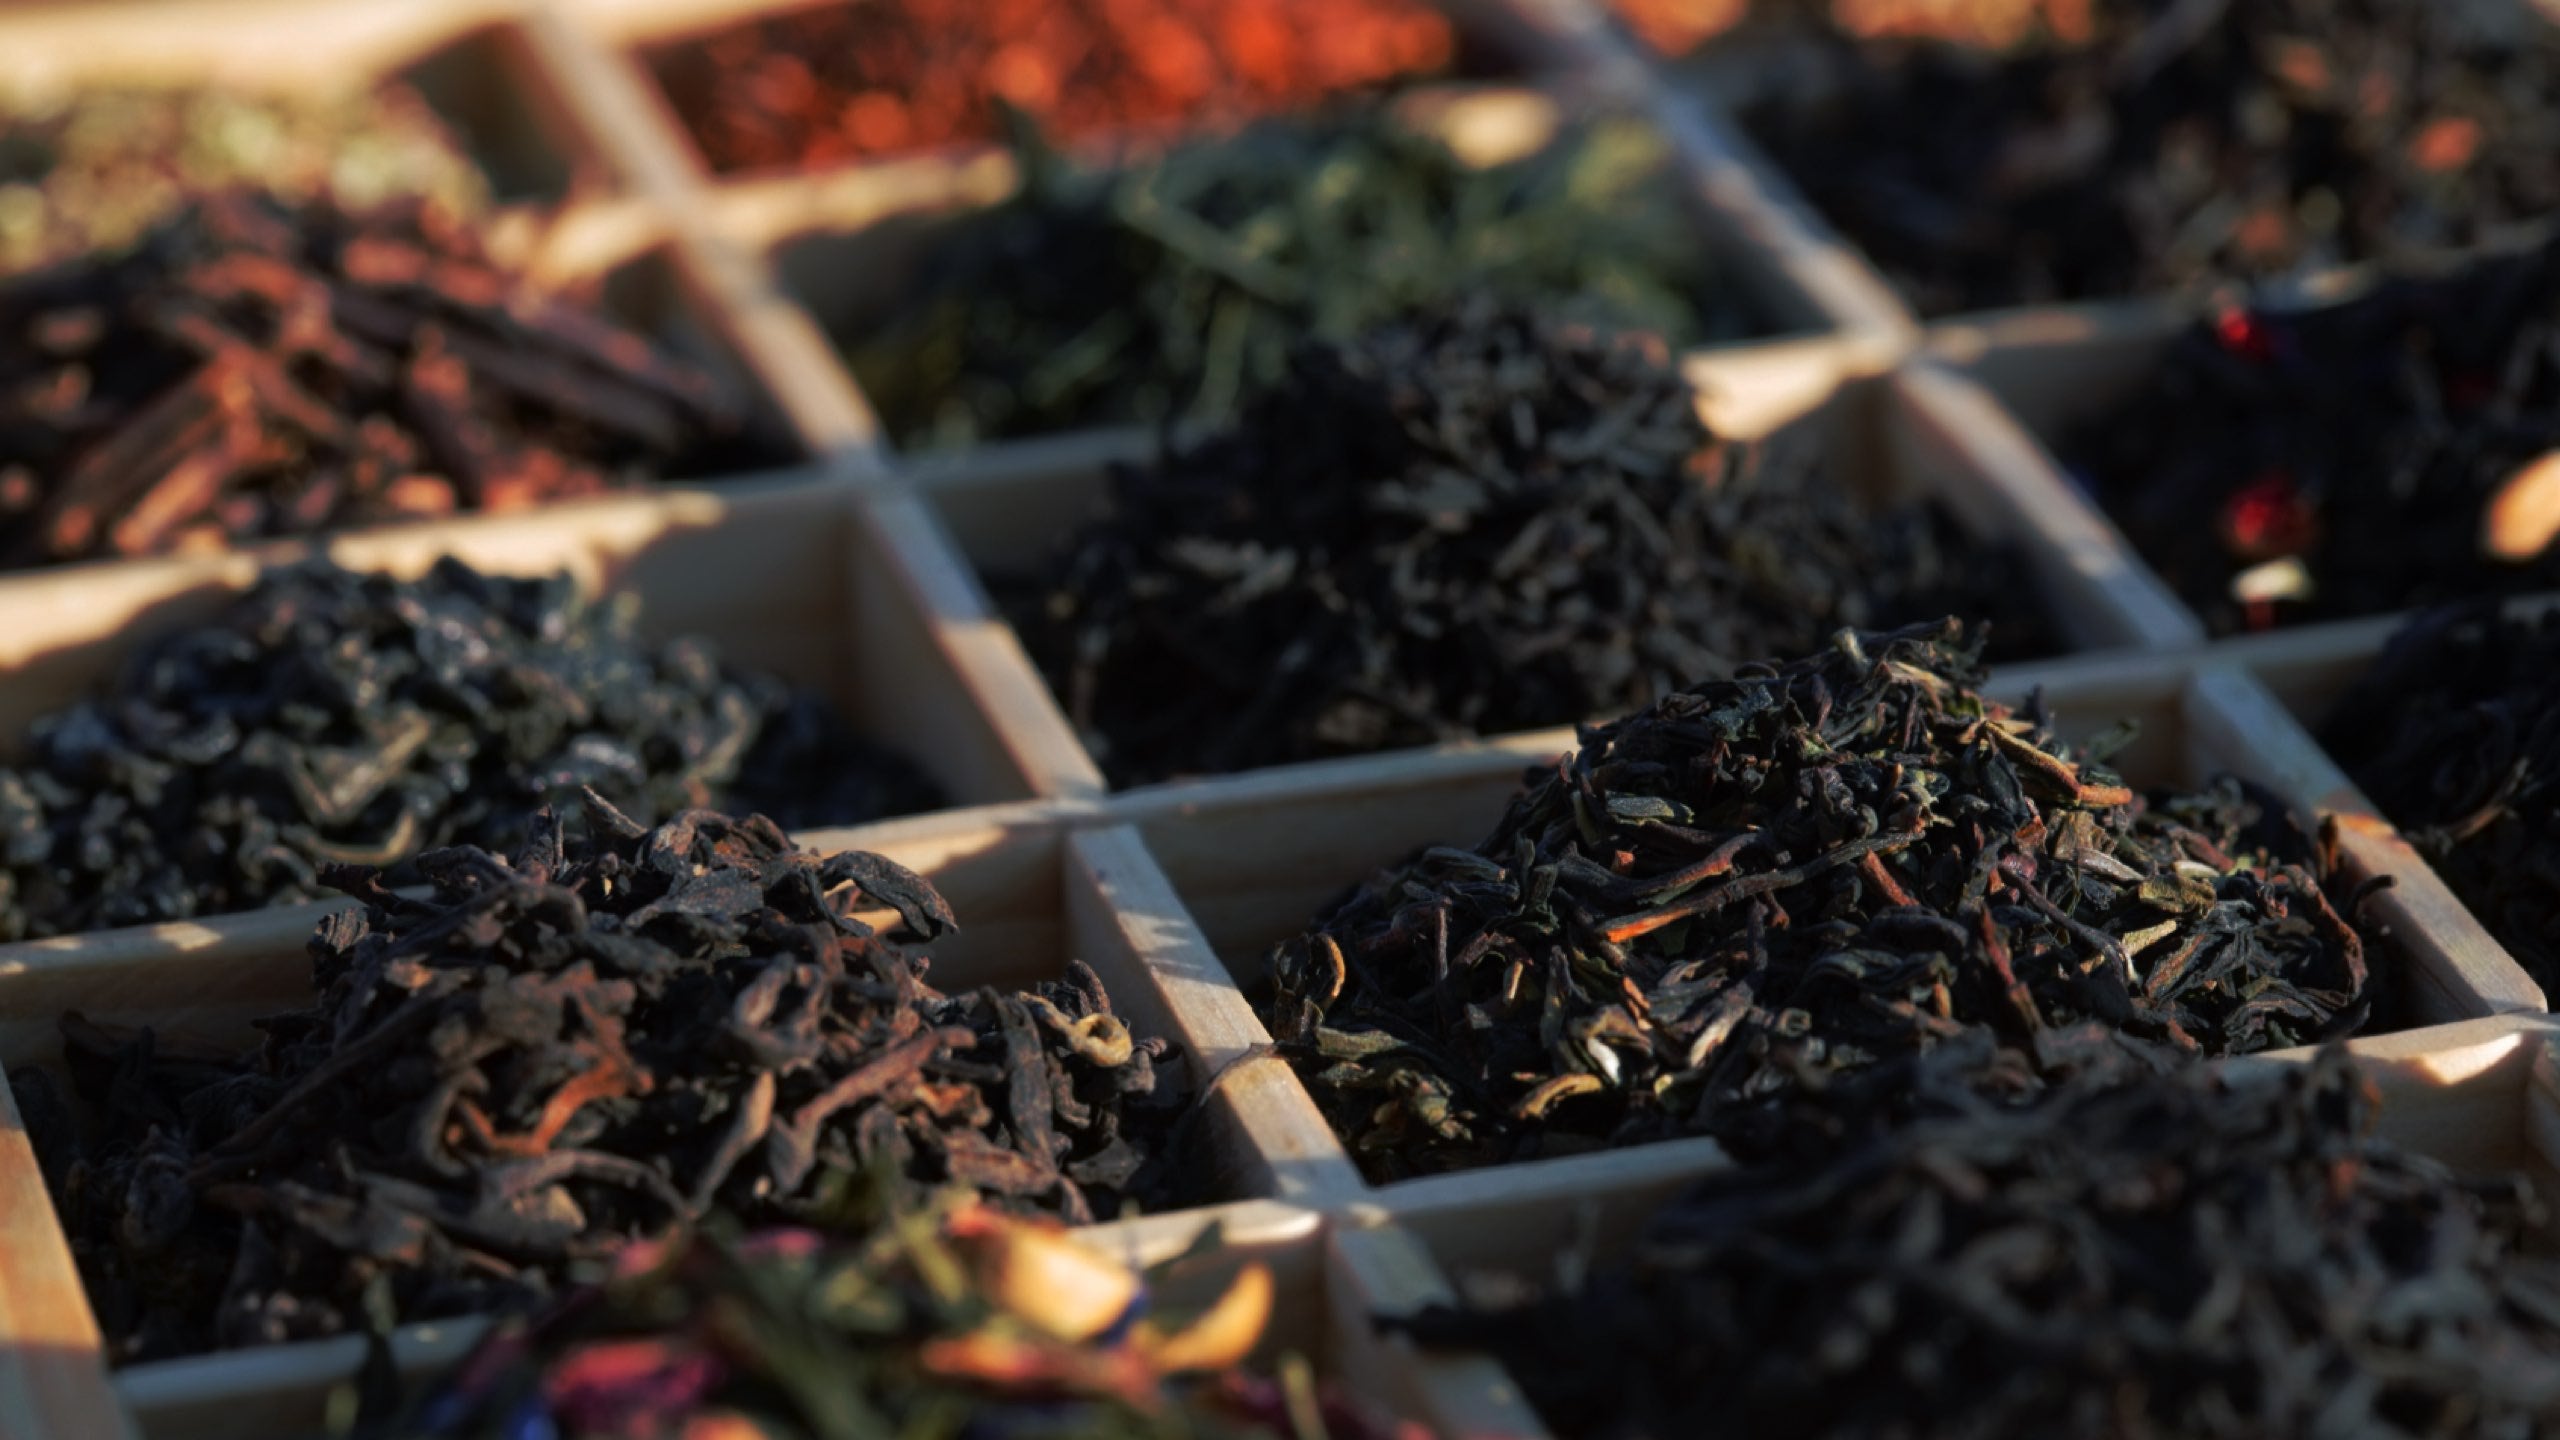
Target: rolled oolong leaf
x,y
2454,730
1760,883
329,717
1472,521
952,1320
2194,1253
552,1058
1173,290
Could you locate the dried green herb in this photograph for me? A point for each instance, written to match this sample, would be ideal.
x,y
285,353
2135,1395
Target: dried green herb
x,y
1470,522
2454,730
1173,289
1759,883
555,1056
332,717
2190,1254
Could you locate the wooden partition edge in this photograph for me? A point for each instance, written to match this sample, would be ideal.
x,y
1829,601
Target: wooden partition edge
x,y
233,42
910,549
2462,970
53,1376
603,88
1117,895
1383,1271
2080,550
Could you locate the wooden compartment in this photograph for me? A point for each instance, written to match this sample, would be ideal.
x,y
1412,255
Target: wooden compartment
x,y
1030,892
808,581
2481,1096
1255,858
1918,433
844,244
471,60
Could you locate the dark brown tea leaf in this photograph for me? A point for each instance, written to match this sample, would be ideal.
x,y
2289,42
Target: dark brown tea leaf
x,y
2135,1253
2454,730
2151,146
1760,883
334,717
1471,522
246,371
552,1058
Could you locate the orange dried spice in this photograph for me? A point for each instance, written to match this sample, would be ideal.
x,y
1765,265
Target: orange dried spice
x,y
840,82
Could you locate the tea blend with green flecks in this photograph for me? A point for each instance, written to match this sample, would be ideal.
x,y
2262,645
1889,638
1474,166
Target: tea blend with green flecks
x,y
329,717
2454,730
94,169
1470,522
1761,883
2135,1253
2401,448
953,1317
554,1056
2153,146
1175,289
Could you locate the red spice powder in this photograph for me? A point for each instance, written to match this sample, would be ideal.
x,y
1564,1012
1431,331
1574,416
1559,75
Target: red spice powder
x,y
844,81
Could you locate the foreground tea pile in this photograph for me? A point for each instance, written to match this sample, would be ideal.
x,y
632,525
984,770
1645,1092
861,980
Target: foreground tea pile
x,y
328,717
1469,523
1763,882
1002,1328
2454,730
95,170
2149,145
833,82
1172,289
555,1056
2393,450
2137,1254
248,371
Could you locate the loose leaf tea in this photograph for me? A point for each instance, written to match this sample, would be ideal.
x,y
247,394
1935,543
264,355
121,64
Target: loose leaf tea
x,y
952,1321
1170,289
2454,730
551,1058
831,83
1471,522
96,169
1762,882
2188,1254
330,717
2159,145
246,371
2387,451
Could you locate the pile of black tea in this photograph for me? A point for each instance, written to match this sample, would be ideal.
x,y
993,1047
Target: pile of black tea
x,y
1173,288
552,1057
246,370
2193,1253
1760,883
2454,731
2396,449
1469,522
2148,146
949,1321
329,717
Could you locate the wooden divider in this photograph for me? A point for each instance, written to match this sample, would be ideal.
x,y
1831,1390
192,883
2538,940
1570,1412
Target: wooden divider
x,y
817,583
